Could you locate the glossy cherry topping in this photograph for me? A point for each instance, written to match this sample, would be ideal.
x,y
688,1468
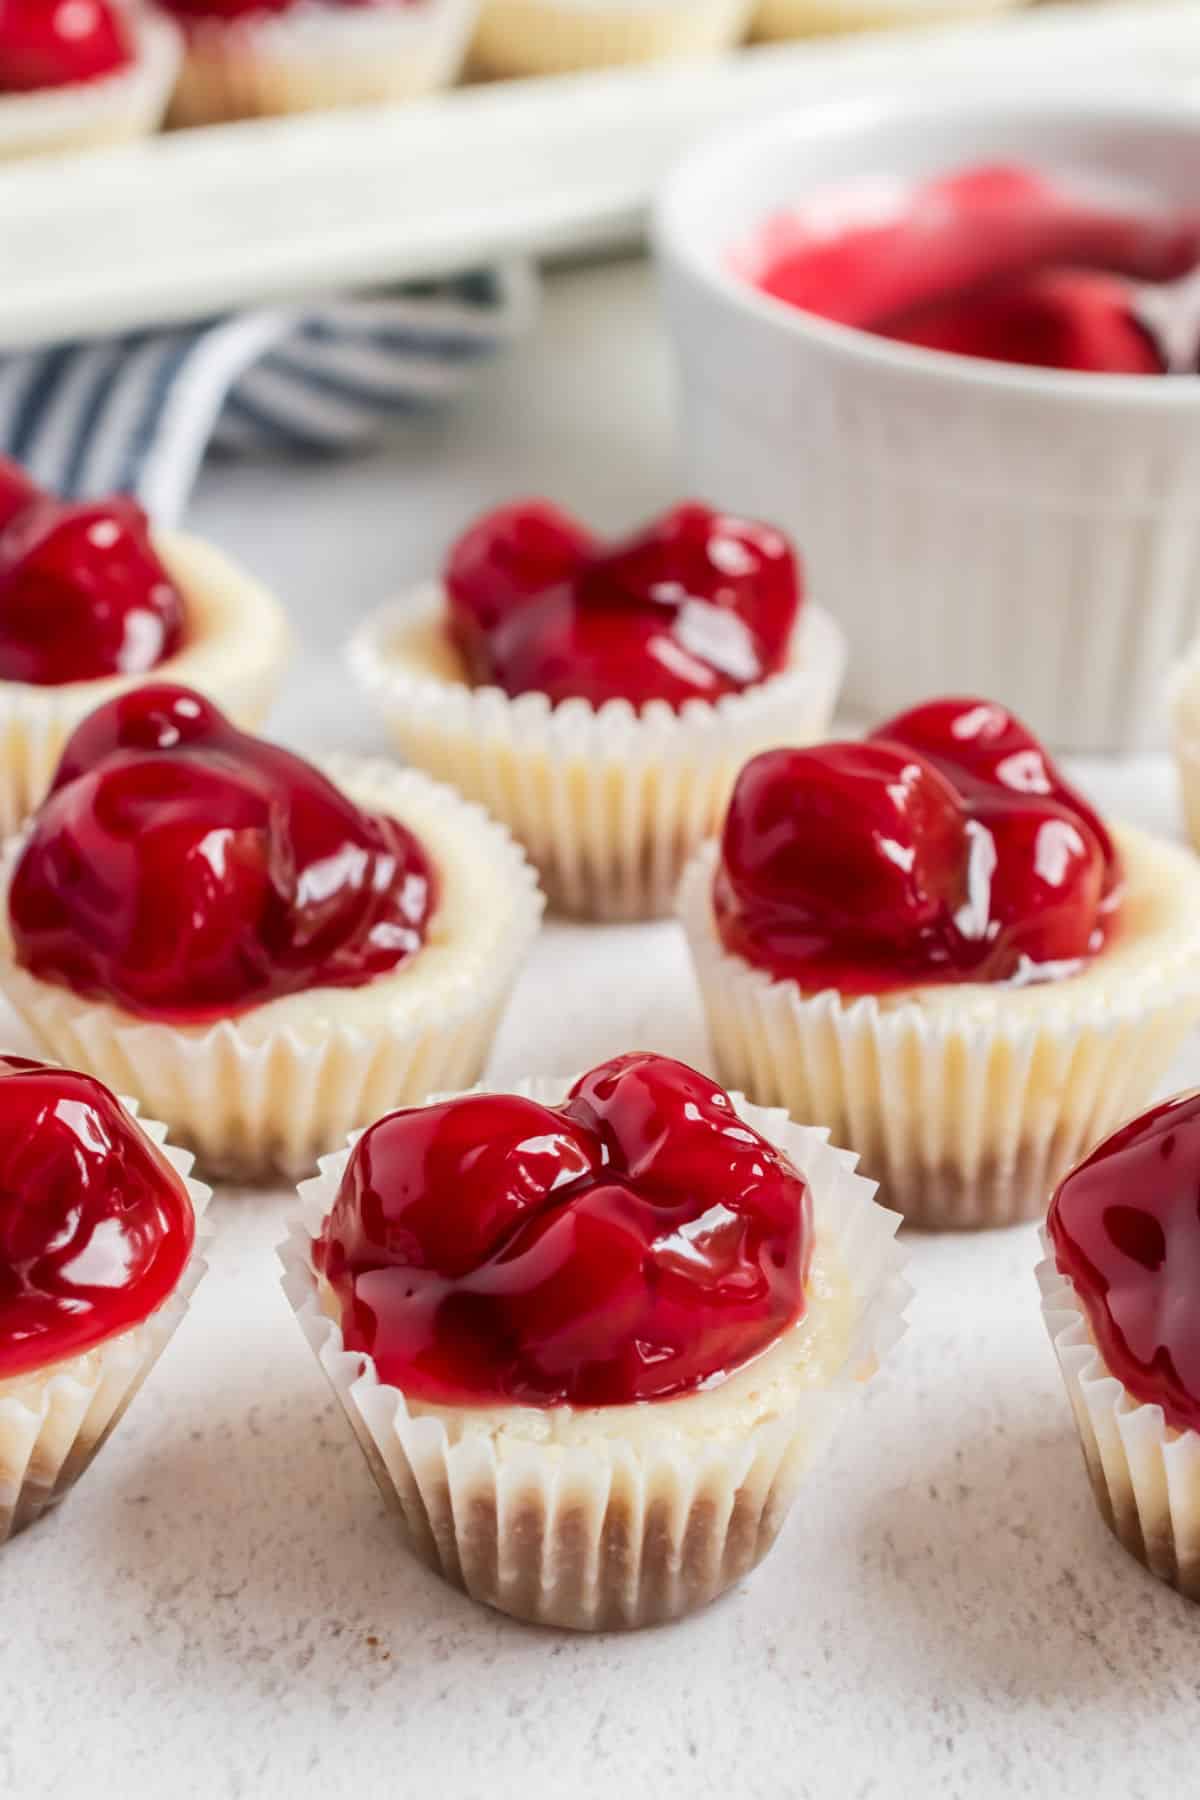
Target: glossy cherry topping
x,y
1125,1227
1053,319
638,1241
82,591
225,9
53,43
504,560
946,847
698,605
95,1225
182,869
980,747
999,261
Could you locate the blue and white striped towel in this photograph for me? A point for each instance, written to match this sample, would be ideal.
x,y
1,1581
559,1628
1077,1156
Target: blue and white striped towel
x,y
137,414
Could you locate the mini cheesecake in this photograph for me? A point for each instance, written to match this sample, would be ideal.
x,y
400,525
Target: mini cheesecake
x,y
590,1335
93,602
251,58
600,698
76,73
265,954
98,1229
554,37
1121,1298
933,943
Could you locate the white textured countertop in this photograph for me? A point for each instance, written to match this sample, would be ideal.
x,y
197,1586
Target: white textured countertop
x,y
223,1609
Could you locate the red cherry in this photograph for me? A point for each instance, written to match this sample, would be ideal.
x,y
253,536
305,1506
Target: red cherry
x,y
83,594
569,651
978,746
227,9
160,716
95,1225
693,554
572,1285
53,43
639,1106
437,1187
182,869
1053,319
698,605
960,247
970,737
674,1132
17,490
1125,1226
854,848
630,1244
504,560
945,847
1045,892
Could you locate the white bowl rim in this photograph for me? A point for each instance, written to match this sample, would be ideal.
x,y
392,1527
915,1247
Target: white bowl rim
x,y
879,109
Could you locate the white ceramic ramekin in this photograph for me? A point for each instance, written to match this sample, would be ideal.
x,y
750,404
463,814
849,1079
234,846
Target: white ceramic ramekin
x,y
973,526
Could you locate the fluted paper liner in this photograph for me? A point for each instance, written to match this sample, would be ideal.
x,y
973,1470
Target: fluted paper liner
x,y
235,653
616,1517
54,1421
548,37
1144,1473
967,1103
609,802
316,56
127,104
1184,708
276,1086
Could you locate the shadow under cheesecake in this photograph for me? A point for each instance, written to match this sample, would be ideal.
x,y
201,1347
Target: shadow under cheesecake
x,y
1001,1578
287,1540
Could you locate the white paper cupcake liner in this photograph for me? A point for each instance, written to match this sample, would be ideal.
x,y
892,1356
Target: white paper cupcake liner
x,y
53,1421
807,18
110,110
275,1087
318,56
609,802
235,653
1187,764
1144,1473
612,1518
1184,709
969,1104
548,37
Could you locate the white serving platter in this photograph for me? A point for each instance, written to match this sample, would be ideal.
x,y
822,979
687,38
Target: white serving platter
x,y
195,223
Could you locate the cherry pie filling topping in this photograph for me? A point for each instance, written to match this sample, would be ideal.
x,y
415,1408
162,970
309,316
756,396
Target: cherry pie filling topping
x,y
83,592
637,1242
57,43
946,847
95,1225
1125,1230
186,871
999,261
698,605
